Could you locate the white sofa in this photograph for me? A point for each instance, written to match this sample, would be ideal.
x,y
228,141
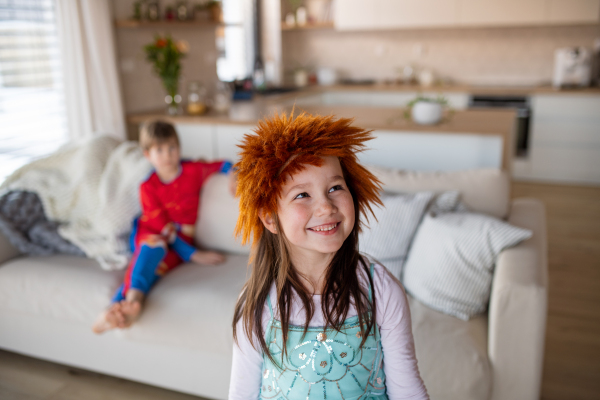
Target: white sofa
x,y
183,340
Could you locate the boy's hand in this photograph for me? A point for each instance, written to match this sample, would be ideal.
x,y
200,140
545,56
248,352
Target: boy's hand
x,y
232,182
207,257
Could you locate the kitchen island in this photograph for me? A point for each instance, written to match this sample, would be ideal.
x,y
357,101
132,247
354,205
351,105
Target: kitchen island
x,y
464,139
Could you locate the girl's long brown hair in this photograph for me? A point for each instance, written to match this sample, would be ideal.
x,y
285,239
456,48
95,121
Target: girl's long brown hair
x,y
271,264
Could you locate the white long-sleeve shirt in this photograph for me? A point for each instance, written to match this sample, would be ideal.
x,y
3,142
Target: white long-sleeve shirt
x,y
393,319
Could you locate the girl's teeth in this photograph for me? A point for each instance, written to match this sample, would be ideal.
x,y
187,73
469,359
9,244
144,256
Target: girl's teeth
x,y
330,227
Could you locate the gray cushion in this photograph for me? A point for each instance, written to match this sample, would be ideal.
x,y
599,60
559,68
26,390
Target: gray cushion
x,y
451,262
388,238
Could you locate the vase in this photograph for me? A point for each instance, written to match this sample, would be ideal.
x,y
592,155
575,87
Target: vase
x,y
427,113
173,104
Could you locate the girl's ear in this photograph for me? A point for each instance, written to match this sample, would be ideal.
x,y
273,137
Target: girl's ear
x,y
146,154
268,221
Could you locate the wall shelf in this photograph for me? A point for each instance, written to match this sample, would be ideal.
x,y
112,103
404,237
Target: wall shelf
x,y
315,26
132,23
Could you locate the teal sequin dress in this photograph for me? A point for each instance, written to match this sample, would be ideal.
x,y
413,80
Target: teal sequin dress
x,y
323,364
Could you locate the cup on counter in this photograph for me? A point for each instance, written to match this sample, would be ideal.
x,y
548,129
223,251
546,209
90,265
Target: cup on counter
x,y
326,76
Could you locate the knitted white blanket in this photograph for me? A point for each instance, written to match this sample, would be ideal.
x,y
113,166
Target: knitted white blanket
x,y
92,188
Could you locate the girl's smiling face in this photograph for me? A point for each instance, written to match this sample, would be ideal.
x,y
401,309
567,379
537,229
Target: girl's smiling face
x,y
315,212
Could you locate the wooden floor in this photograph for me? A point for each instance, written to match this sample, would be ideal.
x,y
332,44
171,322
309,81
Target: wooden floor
x,y
572,359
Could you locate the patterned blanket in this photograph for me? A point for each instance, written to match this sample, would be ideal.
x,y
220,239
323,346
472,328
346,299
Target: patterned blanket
x,y
88,192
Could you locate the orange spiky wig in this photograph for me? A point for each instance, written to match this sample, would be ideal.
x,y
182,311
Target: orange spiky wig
x,y
281,147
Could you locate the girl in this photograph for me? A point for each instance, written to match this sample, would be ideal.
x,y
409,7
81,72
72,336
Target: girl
x,y
315,319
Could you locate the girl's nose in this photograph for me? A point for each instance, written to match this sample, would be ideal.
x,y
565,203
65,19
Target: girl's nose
x,y
326,206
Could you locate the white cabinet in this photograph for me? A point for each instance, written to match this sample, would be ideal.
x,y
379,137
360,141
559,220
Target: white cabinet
x,y
399,14
430,151
228,137
197,141
565,140
355,14
573,11
211,141
500,12
415,13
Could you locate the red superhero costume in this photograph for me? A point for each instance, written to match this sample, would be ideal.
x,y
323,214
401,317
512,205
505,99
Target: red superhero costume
x,y
163,235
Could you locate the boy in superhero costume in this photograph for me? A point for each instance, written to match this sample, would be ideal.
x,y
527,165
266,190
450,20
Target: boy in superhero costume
x,y
162,236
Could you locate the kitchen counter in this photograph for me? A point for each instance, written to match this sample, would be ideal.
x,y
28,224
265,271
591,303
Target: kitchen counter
x,y
471,89
478,122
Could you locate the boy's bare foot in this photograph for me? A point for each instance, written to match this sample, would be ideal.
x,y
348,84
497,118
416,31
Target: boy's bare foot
x,y
207,257
131,311
110,319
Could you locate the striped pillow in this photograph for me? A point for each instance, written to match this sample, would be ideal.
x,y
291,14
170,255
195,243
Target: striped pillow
x,y
388,239
451,262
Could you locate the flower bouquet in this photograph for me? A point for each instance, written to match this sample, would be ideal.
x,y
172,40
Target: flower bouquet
x,y
165,56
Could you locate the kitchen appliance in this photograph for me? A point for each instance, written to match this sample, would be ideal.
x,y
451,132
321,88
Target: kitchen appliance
x,y
572,67
518,103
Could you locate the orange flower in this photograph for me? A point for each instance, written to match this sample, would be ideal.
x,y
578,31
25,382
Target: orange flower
x,y
160,43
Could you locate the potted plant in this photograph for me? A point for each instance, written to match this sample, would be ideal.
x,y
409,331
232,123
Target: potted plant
x,y
165,56
426,110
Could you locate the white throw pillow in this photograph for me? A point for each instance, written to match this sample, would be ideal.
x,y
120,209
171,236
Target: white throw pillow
x,y
451,261
217,216
388,239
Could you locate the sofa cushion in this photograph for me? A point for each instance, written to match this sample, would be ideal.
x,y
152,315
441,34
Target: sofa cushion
x,y
452,354
217,217
482,190
389,234
63,287
451,263
191,307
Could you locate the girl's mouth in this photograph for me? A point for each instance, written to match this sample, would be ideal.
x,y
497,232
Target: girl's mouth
x,y
326,229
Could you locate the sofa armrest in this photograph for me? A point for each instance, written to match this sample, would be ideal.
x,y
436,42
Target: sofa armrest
x,y
7,250
518,308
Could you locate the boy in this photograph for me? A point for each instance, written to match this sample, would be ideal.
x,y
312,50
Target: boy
x,y
162,236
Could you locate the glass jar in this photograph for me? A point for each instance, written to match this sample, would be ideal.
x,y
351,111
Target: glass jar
x,y
223,97
196,99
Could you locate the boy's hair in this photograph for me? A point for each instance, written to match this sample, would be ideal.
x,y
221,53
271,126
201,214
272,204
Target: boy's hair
x,y
282,147
157,132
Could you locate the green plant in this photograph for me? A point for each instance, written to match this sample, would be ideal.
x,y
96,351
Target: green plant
x,y
165,56
295,4
439,99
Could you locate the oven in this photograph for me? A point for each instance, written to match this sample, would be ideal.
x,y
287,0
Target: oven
x,y
519,103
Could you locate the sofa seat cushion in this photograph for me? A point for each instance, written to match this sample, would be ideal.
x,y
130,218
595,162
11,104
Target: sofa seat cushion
x,y
190,307
63,287
452,354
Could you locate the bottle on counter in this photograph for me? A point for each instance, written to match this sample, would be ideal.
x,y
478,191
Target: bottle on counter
x,y
223,97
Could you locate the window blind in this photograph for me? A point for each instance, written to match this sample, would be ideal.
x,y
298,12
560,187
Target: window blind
x,y
33,120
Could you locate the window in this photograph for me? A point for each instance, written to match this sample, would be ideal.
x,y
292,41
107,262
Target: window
x,y
235,41
33,120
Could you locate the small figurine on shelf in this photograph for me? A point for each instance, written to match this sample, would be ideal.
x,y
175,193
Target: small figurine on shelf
x,y
216,13
182,11
170,13
137,10
153,11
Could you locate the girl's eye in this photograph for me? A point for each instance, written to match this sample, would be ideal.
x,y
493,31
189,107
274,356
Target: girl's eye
x,y
336,187
301,195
